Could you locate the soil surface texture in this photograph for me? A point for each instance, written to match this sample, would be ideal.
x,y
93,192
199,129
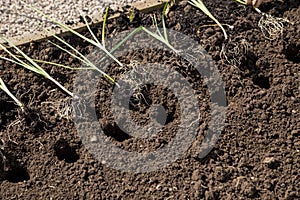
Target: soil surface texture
x,y
257,155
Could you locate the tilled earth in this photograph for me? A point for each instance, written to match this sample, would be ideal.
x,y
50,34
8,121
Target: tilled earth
x,y
257,155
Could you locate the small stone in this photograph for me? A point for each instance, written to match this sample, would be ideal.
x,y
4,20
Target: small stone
x,y
171,14
187,8
158,187
295,133
268,160
94,139
195,175
178,27
209,195
91,171
271,162
183,3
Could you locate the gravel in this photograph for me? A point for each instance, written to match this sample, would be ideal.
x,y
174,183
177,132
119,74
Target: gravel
x,y
16,19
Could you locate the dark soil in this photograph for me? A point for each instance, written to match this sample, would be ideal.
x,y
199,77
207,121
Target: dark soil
x,y
257,155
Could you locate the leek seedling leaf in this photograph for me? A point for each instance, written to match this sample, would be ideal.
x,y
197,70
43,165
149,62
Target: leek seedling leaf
x,y
159,36
58,65
162,39
23,64
81,57
67,51
244,3
156,26
123,41
43,62
199,4
104,25
6,90
90,30
163,20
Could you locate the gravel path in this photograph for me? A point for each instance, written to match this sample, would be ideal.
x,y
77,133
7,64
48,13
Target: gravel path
x,y
16,19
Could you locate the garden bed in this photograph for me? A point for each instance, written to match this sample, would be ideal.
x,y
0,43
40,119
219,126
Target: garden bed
x,y
257,154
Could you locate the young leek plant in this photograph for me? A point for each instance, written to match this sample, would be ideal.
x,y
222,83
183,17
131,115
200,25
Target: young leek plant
x,y
31,65
159,36
199,4
271,27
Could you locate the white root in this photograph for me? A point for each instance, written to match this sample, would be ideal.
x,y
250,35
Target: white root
x,y
233,53
2,156
271,27
133,80
62,107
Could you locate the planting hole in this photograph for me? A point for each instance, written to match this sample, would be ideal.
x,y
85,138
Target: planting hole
x,y
292,52
115,132
64,151
18,174
262,82
274,164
